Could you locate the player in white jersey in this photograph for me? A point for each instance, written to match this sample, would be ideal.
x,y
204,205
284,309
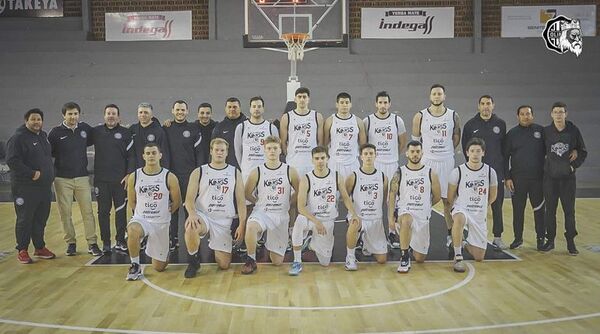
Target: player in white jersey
x,y
471,188
318,194
438,128
368,188
272,182
344,133
414,189
215,196
153,194
250,136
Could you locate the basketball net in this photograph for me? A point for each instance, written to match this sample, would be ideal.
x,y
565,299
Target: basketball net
x,y
295,43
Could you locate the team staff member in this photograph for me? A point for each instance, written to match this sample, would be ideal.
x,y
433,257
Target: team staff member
x,y
69,148
524,154
226,128
113,144
207,125
29,157
565,152
148,130
492,129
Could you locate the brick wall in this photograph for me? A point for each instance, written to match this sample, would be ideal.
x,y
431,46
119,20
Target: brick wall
x,y
72,8
199,10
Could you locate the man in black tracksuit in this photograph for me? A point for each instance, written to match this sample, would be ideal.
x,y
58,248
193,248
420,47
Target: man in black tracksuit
x,y
226,128
492,130
148,130
524,153
207,125
565,152
186,155
113,144
29,157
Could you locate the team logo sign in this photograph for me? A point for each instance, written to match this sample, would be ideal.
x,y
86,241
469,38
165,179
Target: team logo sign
x,y
118,135
563,34
150,137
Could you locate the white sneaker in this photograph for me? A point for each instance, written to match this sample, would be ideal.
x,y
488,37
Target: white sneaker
x,y
351,264
404,266
499,244
459,264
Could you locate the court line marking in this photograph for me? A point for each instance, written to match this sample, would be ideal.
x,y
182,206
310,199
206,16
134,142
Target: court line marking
x,y
83,329
466,280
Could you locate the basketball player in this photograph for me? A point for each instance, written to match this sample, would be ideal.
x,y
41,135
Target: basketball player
x,y
472,186
153,192
438,128
368,188
344,133
415,188
272,182
215,196
318,193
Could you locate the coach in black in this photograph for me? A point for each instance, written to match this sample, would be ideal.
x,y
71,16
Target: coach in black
x,y
565,152
524,153
207,125
114,147
29,157
489,127
148,130
226,128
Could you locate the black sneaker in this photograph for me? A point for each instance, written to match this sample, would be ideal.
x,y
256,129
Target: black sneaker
x,y
106,248
94,250
548,246
192,269
241,248
394,241
249,267
540,243
571,247
143,243
173,244
516,244
71,250
121,246
135,272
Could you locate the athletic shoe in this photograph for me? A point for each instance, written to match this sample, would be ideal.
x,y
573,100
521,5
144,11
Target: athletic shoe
x,y
192,269
135,272
404,266
459,264
366,252
289,246
249,267
540,243
121,246
571,247
261,242
394,241
173,244
143,243
44,253
448,241
71,250
240,248
295,269
548,246
516,244
359,242
94,250
106,248
351,264
23,257
499,244
306,243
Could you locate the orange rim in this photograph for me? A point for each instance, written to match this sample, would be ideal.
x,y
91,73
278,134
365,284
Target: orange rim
x,y
295,36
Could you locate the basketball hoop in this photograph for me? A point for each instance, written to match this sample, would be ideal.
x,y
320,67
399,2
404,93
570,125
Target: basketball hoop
x,y
295,43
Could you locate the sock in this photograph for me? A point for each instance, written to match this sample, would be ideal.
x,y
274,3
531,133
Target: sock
x,y
252,256
457,250
405,253
135,260
450,232
298,255
350,253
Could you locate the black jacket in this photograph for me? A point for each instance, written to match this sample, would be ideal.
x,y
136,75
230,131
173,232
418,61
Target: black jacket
x,y
69,149
142,136
493,132
184,144
206,132
524,152
226,130
28,152
559,145
114,148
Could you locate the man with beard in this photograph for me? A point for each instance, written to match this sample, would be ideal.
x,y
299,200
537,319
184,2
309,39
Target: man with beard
x,y
226,128
207,125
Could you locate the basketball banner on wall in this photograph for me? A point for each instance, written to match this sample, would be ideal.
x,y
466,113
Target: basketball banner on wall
x,y
529,21
400,23
31,8
148,26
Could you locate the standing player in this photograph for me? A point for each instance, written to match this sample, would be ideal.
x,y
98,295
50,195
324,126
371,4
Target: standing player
x,y
472,186
415,188
318,193
153,192
438,128
368,188
273,182
215,196
344,133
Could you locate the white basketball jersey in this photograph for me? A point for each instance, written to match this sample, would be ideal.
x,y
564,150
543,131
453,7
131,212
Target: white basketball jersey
x,y
436,132
302,137
414,192
152,197
343,146
274,189
216,192
322,195
383,133
367,194
473,189
253,137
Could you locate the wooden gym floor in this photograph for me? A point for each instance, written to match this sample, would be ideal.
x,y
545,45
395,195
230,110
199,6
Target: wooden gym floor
x,y
542,293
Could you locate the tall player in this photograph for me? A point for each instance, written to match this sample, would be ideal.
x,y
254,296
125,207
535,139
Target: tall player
x,y
414,189
154,194
215,196
318,193
438,128
368,188
272,182
344,133
472,186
